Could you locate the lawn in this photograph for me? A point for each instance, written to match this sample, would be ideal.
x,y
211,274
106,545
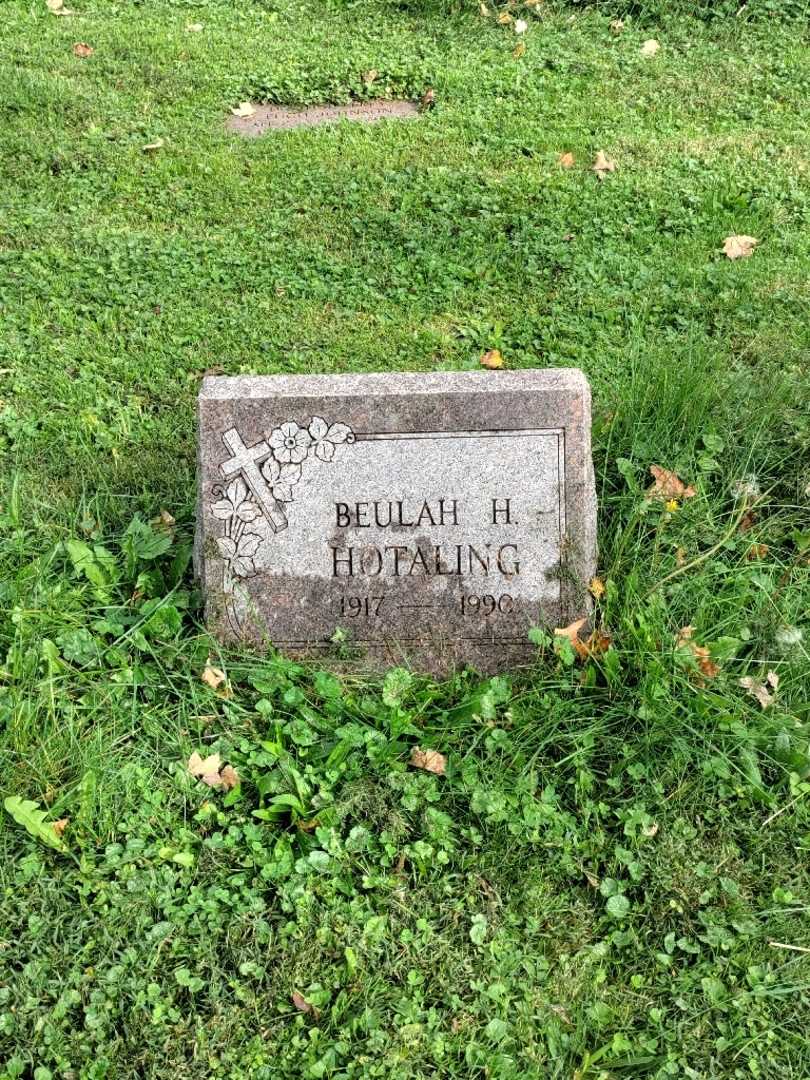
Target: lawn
x,y
611,879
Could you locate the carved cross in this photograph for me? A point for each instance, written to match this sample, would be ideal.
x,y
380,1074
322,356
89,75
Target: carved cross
x,y
246,460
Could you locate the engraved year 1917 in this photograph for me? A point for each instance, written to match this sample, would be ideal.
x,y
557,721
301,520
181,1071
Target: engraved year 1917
x,y
354,606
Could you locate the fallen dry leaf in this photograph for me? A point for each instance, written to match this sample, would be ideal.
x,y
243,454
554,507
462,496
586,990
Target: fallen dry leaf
x,y
597,588
504,18
617,26
82,49
301,1003
650,47
668,485
566,160
571,632
492,359
519,50
229,777
484,10
680,556
429,760
193,27
213,676
760,690
164,520
369,76
650,830
206,769
739,247
603,165
156,145
428,99
60,825
243,109
57,7
707,667
595,644
757,551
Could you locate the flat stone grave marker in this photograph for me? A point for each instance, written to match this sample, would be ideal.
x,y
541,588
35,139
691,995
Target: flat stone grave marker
x,y
279,117
430,519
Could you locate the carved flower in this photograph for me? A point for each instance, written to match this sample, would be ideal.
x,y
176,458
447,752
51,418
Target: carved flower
x,y
239,554
325,438
235,503
289,443
281,478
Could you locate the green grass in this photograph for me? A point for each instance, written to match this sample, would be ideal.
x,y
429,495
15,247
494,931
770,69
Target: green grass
x,y
593,888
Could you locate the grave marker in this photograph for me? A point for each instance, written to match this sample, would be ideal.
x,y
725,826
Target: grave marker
x,y
431,519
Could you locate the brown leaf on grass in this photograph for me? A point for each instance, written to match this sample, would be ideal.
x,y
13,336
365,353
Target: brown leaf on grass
x,y
566,160
519,50
596,643
650,47
760,690
757,551
60,825
707,667
427,100
603,165
370,76
206,769
429,760
596,588
617,26
82,49
739,247
210,770
156,145
243,109
492,359
747,521
504,18
301,1003
680,556
668,485
229,778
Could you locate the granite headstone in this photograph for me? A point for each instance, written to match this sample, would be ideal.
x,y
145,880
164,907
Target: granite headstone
x,y
421,519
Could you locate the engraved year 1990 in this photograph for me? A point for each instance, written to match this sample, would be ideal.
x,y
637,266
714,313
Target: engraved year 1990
x,y
369,606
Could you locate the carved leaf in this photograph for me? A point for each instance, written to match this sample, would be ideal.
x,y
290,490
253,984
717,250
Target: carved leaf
x,y
247,511
243,567
227,548
283,492
222,509
318,428
338,433
248,544
270,470
236,491
325,450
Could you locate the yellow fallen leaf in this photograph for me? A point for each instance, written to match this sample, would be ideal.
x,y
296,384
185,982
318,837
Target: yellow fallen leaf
x,y
519,50
739,247
650,47
484,10
57,7
571,633
492,359
707,667
429,760
566,160
243,109
504,18
369,76
156,145
617,26
213,676
60,826
668,485
82,49
603,165
597,588
193,27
